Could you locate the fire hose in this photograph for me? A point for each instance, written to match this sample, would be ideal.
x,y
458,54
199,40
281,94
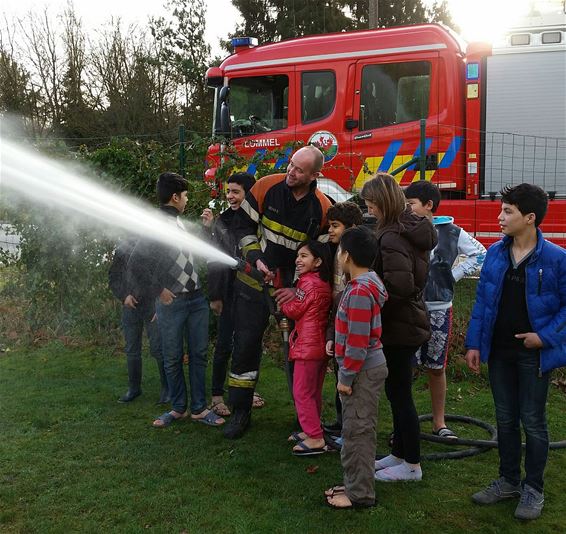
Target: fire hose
x,y
476,446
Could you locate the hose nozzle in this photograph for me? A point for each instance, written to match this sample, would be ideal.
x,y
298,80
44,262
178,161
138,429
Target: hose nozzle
x,y
246,267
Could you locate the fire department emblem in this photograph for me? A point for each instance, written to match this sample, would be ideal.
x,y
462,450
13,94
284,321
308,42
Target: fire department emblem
x,y
326,142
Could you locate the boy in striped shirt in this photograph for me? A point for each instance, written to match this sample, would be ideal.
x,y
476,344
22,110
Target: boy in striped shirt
x,y
362,368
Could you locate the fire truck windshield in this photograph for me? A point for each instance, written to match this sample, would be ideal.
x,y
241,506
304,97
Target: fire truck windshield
x,y
258,104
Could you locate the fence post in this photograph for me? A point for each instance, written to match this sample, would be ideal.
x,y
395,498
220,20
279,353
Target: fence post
x,y
422,155
182,150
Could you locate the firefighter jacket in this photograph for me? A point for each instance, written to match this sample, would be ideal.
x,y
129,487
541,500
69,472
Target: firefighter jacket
x,y
271,224
309,309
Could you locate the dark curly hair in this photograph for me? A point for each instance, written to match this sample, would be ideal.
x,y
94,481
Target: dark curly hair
x,y
348,213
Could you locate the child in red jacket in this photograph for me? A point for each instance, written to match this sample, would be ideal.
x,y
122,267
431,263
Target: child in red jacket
x,y
309,309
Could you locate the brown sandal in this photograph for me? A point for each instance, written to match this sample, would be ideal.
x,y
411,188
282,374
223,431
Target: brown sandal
x,y
220,408
258,401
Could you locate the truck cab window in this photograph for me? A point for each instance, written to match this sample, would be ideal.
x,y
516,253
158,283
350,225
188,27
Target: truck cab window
x,y
318,94
258,104
394,93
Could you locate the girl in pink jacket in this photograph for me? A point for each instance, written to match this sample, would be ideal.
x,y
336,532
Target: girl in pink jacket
x,y
309,309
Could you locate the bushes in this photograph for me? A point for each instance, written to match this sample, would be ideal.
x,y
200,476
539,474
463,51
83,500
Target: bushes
x,y
60,277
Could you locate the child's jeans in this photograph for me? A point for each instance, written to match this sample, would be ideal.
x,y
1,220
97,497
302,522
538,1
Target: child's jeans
x,y
188,313
520,396
308,378
359,422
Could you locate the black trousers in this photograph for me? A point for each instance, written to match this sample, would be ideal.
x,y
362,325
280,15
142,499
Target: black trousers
x,y
251,317
398,388
224,346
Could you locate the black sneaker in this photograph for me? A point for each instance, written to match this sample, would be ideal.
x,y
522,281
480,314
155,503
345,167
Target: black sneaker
x,y
129,396
334,429
237,425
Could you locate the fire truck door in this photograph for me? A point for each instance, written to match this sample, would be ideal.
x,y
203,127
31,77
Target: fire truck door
x,y
262,120
391,95
321,105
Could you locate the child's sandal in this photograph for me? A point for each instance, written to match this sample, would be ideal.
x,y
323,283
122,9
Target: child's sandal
x,y
335,490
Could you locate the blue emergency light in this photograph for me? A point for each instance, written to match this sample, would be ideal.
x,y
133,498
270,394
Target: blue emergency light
x,y
243,41
472,71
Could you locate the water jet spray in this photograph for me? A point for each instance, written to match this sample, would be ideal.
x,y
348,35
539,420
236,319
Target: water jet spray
x,y
44,181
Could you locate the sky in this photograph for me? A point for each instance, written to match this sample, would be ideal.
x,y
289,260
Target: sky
x,y
221,19
477,19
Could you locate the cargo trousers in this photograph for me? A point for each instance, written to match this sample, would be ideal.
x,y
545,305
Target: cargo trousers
x,y
359,422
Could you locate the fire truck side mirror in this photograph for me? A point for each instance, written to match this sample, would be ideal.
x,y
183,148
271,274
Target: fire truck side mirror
x,y
224,97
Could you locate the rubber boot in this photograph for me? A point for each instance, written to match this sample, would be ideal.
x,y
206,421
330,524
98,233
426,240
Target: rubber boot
x,y
241,400
134,380
237,425
164,396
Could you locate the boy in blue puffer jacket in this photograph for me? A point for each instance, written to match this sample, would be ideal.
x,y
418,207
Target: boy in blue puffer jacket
x,y
518,326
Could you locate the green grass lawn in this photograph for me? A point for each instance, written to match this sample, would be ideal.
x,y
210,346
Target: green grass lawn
x,y
73,459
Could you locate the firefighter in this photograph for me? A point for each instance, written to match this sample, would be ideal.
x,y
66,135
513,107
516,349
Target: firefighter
x,y
278,213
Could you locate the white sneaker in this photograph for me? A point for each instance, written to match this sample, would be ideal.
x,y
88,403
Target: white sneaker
x,y
399,473
388,461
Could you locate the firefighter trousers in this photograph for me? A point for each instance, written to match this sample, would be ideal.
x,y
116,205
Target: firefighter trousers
x,y
251,317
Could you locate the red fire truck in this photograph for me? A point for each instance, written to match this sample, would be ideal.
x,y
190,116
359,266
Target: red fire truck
x,y
493,115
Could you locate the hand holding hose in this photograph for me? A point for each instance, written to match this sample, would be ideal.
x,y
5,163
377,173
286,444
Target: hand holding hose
x,y
264,269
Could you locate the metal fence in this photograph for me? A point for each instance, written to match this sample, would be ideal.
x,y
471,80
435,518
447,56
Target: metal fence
x,y
513,158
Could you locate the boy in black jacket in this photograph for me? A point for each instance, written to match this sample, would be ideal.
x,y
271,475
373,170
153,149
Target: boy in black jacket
x,y
136,314
221,283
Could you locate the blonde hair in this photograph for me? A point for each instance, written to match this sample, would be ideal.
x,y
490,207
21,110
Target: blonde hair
x,y
384,191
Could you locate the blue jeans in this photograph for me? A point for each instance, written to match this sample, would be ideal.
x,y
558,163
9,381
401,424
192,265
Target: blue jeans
x,y
520,397
186,315
133,323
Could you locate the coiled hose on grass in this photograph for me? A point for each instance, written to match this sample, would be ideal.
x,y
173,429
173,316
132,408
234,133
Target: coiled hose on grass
x,y
476,446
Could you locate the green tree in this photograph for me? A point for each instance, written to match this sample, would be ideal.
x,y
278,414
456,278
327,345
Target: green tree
x,y
398,12
77,116
273,20
184,49
14,85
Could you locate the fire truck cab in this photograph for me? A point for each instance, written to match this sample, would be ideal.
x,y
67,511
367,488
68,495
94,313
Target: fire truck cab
x,y
494,116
